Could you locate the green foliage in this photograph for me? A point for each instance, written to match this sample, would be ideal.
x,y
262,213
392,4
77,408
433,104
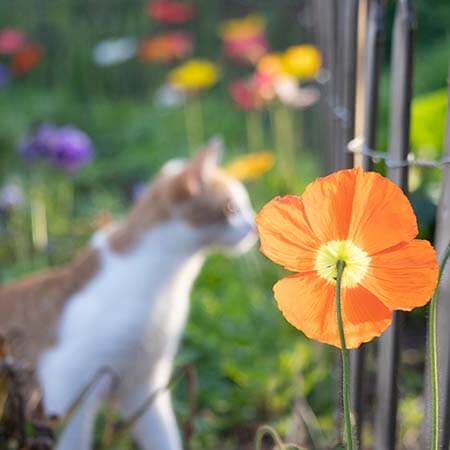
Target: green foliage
x,y
429,114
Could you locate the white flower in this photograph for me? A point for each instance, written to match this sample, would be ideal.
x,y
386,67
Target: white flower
x,y
114,51
11,196
292,94
168,96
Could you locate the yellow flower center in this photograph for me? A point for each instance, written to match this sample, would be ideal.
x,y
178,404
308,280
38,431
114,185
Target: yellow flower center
x,y
356,262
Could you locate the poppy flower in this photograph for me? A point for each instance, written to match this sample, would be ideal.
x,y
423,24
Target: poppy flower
x,y
12,40
244,40
170,12
26,59
194,75
302,61
364,220
166,47
251,166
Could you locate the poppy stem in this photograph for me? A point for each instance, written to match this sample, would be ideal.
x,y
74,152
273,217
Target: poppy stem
x,y
348,433
433,356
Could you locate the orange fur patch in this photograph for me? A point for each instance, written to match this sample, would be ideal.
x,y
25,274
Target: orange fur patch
x,y
30,308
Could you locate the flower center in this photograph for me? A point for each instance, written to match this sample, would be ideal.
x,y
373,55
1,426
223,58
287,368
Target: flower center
x,y
356,262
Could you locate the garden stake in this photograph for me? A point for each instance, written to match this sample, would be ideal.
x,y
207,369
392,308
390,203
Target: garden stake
x,y
433,355
340,266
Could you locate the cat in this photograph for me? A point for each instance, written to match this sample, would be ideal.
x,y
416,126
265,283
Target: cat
x,y
123,302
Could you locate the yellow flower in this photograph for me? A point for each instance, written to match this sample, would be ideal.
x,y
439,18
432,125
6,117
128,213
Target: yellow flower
x,y
302,61
243,28
251,166
194,75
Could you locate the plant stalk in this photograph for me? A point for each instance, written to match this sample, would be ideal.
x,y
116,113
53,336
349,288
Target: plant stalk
x,y
433,356
348,433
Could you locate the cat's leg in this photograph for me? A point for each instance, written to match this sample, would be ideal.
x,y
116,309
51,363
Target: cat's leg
x,y
78,433
157,428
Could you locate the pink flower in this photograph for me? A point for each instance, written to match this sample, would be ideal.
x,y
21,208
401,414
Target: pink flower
x,y
244,39
251,93
12,40
246,49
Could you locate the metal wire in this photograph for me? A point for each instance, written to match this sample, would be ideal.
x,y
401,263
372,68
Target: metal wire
x,y
357,146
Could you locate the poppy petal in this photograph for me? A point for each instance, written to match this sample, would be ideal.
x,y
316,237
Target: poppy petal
x,y
328,205
404,277
382,216
308,303
285,234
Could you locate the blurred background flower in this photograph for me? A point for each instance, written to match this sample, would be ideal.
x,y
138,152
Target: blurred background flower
x,y
167,96
166,47
12,196
245,94
12,40
291,93
170,12
251,166
5,75
244,40
26,59
302,61
114,51
72,149
66,147
36,145
194,75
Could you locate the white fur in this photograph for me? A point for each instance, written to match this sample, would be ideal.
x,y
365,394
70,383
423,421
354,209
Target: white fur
x,y
129,318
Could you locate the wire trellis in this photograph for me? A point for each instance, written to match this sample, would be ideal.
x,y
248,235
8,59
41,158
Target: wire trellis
x,y
357,146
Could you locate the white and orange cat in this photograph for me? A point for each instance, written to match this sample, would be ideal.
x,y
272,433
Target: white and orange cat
x,y
123,303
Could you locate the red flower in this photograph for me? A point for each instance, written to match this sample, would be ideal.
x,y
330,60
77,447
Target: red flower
x,y
170,12
166,47
11,41
251,93
244,95
26,59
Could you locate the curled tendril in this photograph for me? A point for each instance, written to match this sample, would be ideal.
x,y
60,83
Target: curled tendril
x,y
267,430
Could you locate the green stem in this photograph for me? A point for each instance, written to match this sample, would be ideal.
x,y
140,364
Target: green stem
x,y
340,266
255,133
194,123
433,357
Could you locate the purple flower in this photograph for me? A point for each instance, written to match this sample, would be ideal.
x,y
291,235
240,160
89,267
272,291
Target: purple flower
x,y
37,145
5,76
72,149
66,148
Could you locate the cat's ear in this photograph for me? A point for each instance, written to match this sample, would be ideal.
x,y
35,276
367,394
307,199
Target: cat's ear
x,y
202,165
197,170
207,159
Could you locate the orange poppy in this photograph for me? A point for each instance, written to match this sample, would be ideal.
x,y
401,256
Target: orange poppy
x,y
365,220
